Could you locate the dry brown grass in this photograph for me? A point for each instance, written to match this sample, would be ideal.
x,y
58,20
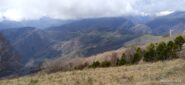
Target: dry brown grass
x,y
159,73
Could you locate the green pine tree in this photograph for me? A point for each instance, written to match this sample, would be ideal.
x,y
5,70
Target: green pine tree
x,y
171,49
95,64
122,61
150,53
105,64
137,56
161,51
179,41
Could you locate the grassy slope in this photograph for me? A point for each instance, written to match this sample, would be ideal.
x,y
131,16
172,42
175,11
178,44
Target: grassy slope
x,y
160,73
142,74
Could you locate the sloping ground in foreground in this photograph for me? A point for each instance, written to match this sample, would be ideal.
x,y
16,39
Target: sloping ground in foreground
x,y
159,73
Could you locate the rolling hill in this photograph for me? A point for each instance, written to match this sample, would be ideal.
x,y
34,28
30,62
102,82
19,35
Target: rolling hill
x,y
86,37
144,73
77,39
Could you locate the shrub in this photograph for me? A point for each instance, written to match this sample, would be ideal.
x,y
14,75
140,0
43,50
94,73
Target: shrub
x,y
105,64
122,61
137,56
95,64
60,64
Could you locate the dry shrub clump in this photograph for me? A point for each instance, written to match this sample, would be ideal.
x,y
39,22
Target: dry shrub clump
x,y
51,66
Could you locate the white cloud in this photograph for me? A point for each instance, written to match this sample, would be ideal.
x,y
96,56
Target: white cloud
x,y
1,17
163,13
74,9
13,14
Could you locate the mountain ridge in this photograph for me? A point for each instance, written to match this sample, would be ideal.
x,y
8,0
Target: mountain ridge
x,y
87,37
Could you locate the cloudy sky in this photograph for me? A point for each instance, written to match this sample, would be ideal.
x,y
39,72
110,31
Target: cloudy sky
x,y
75,9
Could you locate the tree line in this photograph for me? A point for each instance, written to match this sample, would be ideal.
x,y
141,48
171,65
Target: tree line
x,y
154,52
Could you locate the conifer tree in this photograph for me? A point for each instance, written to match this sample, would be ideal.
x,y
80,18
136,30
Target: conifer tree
x,y
179,41
150,53
122,61
171,48
161,51
137,56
